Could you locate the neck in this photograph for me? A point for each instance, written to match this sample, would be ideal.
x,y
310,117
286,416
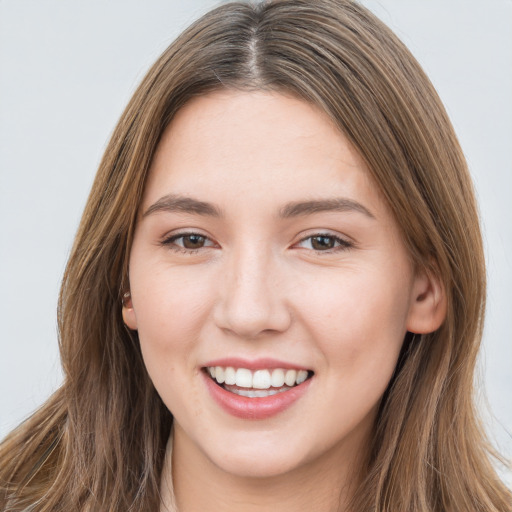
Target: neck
x,y
195,483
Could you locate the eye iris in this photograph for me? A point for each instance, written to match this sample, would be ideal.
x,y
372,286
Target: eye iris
x,y
320,243
193,241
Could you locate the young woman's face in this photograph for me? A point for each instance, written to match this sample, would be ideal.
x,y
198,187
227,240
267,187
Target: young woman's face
x,y
264,255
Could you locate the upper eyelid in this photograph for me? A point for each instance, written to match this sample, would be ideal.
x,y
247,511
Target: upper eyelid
x,y
300,237
325,232
169,242
343,242
326,235
188,232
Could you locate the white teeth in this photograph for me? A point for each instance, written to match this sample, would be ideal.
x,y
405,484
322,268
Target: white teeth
x,y
259,379
302,375
230,376
290,377
243,378
219,374
277,378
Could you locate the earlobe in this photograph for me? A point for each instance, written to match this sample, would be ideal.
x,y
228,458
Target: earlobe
x,y
129,317
428,304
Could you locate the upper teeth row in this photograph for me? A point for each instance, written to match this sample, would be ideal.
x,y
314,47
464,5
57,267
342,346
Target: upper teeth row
x,y
259,379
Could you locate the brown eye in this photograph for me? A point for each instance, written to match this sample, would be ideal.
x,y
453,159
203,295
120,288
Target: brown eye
x,y
188,242
193,241
322,243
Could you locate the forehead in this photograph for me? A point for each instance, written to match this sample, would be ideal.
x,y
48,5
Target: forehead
x,y
256,146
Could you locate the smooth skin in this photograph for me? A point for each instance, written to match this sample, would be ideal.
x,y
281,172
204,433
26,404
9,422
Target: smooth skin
x,y
258,272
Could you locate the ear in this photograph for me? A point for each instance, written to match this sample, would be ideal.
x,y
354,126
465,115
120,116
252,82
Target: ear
x,y
428,303
129,317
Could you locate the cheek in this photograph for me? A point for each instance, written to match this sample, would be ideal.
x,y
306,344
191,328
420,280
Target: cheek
x,y
169,305
359,325
358,318
170,308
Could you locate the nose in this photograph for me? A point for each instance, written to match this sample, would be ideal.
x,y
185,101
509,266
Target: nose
x,y
252,298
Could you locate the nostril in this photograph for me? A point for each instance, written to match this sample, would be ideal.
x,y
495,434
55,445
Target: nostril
x,y
250,309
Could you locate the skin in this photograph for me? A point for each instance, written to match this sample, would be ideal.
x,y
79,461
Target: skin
x,y
260,286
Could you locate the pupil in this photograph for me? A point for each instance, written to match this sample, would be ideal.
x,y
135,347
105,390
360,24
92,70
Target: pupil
x,y
193,241
322,242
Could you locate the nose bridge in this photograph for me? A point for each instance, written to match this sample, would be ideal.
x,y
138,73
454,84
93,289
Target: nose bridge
x,y
252,300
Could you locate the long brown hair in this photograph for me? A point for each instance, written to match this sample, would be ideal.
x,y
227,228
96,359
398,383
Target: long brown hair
x,y
99,442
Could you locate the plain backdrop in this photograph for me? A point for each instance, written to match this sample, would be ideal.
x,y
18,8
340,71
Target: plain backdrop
x,y
67,69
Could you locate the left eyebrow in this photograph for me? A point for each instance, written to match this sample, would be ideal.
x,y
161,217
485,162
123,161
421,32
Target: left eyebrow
x,y
298,208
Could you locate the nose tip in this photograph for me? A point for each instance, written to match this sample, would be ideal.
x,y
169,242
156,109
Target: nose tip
x,y
251,304
249,321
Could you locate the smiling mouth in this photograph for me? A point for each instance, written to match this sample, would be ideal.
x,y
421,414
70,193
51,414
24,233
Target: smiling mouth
x,y
257,383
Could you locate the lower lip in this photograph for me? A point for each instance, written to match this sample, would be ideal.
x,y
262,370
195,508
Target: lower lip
x,y
258,408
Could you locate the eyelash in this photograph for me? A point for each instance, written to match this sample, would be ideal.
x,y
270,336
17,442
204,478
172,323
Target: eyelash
x,y
341,243
170,243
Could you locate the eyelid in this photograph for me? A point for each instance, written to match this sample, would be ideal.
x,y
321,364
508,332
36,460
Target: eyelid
x,y
169,239
344,242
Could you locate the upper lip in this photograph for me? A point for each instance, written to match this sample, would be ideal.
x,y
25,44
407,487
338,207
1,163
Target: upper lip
x,y
254,364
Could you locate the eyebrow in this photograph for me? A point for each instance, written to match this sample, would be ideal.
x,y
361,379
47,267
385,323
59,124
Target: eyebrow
x,y
177,203
296,209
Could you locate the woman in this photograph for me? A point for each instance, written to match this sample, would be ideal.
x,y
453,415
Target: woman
x,y
277,286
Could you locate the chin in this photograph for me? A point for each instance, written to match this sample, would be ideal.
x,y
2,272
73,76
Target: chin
x,y
259,465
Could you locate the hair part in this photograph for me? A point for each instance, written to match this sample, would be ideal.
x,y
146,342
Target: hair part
x,y
99,442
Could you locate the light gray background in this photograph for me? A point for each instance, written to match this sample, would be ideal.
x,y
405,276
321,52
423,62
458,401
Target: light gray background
x,y
67,69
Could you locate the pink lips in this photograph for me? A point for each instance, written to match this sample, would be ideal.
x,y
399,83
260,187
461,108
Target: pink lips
x,y
254,408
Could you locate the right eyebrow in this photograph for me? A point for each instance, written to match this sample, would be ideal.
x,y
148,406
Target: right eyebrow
x,y
178,203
